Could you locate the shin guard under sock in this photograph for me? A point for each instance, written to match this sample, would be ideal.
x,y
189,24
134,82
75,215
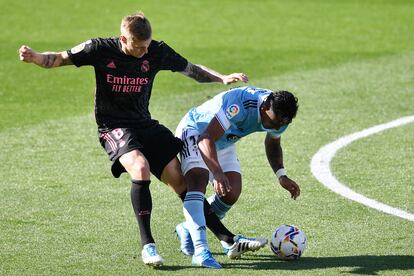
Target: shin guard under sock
x,y
213,222
142,204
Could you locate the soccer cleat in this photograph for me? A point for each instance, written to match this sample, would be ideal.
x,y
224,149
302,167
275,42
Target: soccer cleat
x,y
205,259
243,244
150,255
186,244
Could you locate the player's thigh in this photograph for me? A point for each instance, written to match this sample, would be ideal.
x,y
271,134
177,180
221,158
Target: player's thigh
x,y
173,177
117,142
230,165
136,164
190,155
160,147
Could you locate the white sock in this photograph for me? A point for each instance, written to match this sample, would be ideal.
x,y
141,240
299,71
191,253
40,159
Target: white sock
x,y
219,207
195,220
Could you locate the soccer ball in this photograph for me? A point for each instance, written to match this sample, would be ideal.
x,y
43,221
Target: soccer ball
x,y
288,242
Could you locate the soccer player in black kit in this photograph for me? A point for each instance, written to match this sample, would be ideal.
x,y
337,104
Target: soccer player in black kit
x,y
125,68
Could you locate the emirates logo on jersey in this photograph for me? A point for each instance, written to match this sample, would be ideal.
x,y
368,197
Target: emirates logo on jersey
x,y
145,67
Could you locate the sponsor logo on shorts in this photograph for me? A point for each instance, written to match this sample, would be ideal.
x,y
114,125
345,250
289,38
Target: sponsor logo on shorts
x,y
121,143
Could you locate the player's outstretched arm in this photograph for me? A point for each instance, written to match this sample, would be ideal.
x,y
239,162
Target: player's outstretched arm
x,y
203,74
274,155
46,59
206,145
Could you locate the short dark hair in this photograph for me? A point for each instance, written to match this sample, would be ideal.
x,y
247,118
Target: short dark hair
x,y
138,25
283,103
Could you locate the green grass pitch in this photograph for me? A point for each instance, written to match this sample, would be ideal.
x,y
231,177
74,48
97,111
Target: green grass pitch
x,y
350,63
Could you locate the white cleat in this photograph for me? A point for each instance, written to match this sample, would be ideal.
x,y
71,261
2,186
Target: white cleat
x,y
243,244
186,244
150,255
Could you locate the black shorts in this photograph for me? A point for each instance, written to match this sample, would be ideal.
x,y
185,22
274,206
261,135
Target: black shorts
x,y
157,143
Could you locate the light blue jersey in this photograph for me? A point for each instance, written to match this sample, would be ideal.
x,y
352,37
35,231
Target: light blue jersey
x,y
237,110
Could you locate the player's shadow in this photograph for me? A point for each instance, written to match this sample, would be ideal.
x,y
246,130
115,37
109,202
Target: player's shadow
x,y
171,268
368,265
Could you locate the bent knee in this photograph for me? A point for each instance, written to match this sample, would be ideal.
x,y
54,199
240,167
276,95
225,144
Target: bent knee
x,y
140,168
136,165
196,180
231,197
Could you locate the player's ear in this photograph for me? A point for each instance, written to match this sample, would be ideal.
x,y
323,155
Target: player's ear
x,y
123,39
265,106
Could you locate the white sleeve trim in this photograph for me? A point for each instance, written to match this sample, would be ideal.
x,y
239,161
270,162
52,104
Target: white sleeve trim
x,y
222,119
274,135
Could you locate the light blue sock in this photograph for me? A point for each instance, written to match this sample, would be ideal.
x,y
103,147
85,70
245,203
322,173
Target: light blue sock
x,y
219,207
195,220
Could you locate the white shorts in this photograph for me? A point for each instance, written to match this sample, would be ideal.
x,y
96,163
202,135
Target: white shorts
x,y
191,157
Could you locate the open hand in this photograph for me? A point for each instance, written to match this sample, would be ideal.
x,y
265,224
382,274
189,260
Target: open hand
x,y
235,77
221,184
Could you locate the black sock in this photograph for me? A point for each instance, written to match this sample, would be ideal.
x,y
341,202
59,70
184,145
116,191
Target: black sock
x,y
142,204
214,223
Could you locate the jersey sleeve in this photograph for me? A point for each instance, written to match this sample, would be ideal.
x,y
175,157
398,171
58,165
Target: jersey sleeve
x,y
84,53
231,111
171,60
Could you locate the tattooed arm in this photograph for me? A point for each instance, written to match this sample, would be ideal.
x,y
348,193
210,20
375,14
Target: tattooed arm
x,y
203,74
45,60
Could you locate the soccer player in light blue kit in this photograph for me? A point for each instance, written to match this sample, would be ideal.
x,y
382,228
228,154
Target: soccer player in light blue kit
x,y
209,133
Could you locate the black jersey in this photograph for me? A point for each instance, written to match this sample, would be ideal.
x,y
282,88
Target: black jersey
x,y
124,82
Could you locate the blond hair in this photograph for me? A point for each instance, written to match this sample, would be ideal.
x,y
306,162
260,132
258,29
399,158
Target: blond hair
x,y
137,25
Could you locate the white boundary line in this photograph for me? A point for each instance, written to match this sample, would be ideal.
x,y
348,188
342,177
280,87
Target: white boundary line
x,y
320,167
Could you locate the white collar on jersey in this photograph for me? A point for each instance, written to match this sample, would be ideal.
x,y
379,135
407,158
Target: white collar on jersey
x,y
259,104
